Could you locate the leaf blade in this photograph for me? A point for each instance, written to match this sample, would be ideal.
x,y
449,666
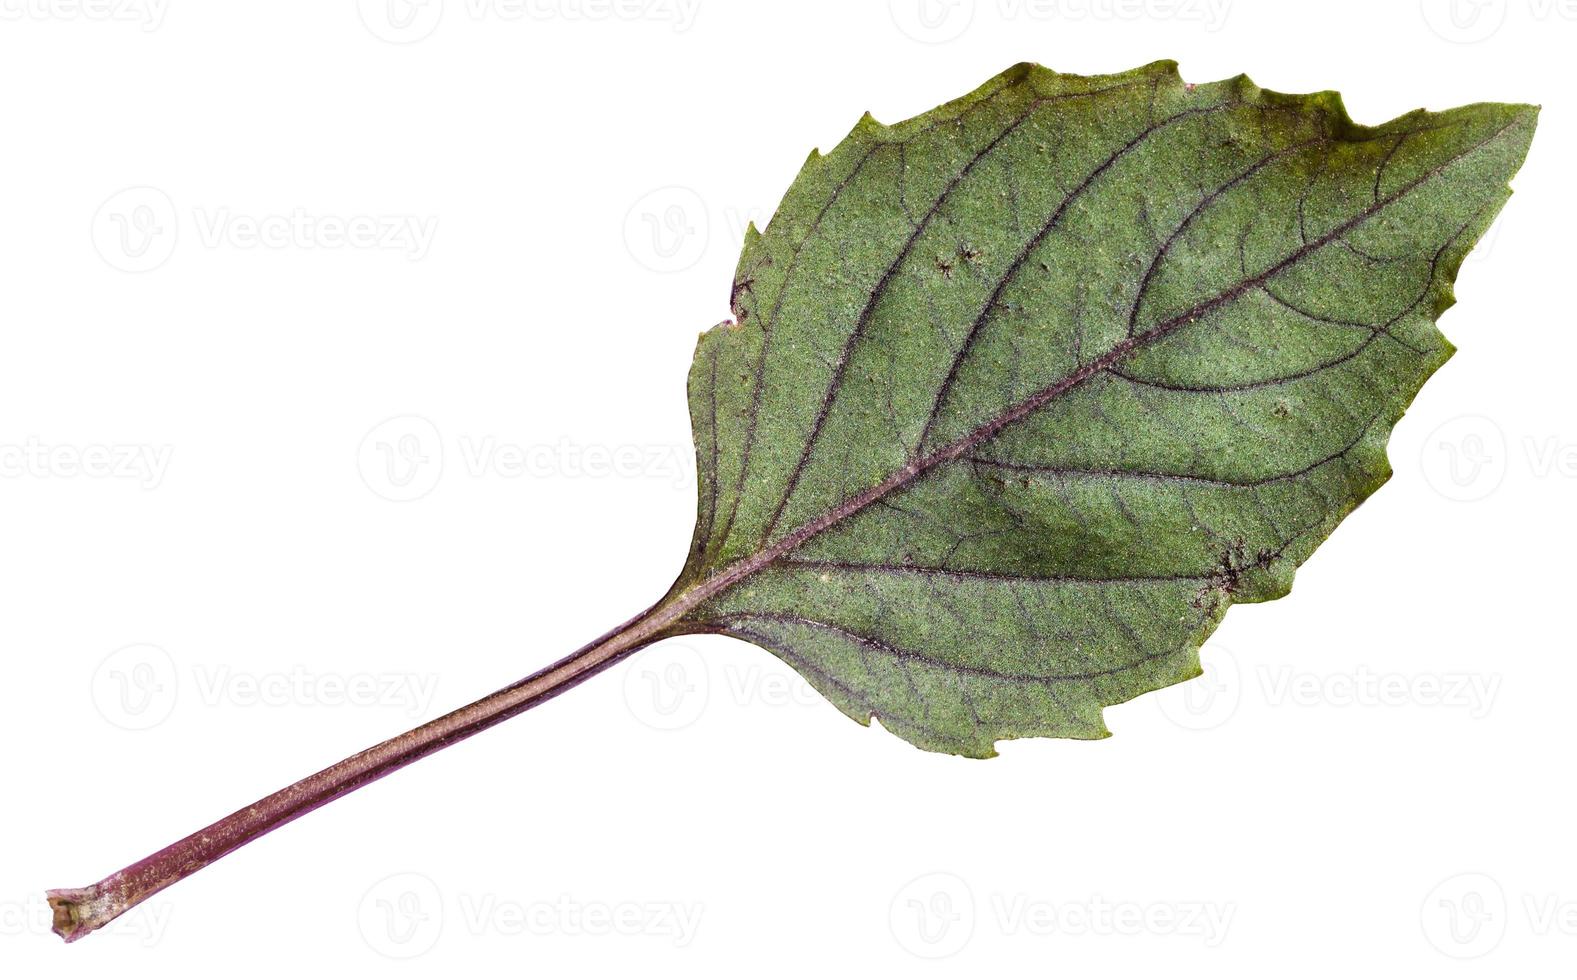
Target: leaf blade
x,y
1001,351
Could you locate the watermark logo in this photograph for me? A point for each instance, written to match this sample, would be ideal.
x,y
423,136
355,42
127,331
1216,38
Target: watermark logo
x,y
670,686
1468,916
135,229
933,916
670,228
939,21
136,687
1464,916
402,916
400,21
936,915
667,686
667,230
1209,700
1468,458
1464,21
1465,459
932,21
1210,13
408,21
401,459
405,915
1472,21
1214,698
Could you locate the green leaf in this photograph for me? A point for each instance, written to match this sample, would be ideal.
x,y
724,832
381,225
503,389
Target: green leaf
x,y
1021,394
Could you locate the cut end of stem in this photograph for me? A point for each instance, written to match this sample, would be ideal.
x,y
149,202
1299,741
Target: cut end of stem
x,y
79,911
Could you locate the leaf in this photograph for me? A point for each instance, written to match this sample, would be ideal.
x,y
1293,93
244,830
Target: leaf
x,y
1019,396
1022,394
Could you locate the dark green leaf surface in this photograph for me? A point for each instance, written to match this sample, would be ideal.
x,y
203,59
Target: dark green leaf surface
x,y
1021,394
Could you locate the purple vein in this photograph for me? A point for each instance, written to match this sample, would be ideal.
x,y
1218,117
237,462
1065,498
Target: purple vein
x,y
1199,209
880,290
871,302
1164,477
711,507
927,660
730,576
1030,248
770,322
971,574
766,343
1375,330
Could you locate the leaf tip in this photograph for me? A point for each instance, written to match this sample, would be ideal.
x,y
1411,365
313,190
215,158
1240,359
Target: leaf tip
x,y
1526,114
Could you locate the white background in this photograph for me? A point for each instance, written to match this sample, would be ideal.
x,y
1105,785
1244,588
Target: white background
x,y
502,226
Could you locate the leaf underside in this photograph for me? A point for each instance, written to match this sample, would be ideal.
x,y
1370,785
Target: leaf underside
x,y
1021,394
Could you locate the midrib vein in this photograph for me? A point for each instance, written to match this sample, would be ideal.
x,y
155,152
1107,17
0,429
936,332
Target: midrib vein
x,y
687,600
879,291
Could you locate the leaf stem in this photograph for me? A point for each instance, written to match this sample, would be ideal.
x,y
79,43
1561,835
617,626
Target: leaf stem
x,y
80,911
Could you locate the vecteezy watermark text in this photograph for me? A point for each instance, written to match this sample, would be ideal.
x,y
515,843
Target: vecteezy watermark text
x,y
410,235
936,915
1467,915
406,914
671,686
403,459
138,687
144,925
36,459
1471,21
1469,457
137,229
408,21
146,14
939,21
1210,701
